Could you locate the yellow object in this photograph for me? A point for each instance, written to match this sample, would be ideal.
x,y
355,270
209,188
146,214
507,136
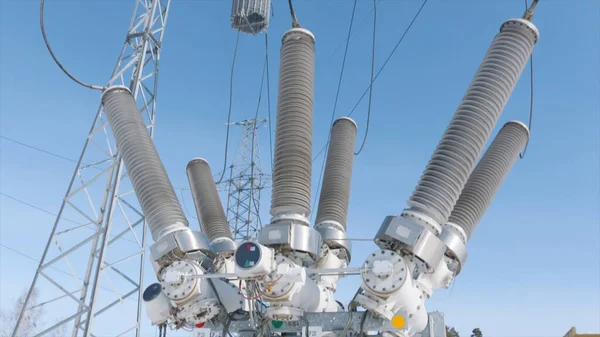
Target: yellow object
x,y
398,322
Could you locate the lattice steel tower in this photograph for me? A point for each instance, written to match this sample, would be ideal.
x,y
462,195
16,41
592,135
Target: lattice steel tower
x,y
99,234
245,183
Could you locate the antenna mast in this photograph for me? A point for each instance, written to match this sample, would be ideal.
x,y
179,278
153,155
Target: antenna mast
x,y
99,233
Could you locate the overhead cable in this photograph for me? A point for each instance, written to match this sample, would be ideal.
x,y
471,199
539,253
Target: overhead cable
x,y
295,23
269,97
372,72
528,14
383,66
337,94
237,40
95,87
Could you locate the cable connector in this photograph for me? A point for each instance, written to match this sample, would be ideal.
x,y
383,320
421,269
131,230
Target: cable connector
x,y
528,15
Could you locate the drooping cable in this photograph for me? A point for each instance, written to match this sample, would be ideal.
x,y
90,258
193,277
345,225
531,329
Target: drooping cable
x,y
337,94
295,23
390,55
90,86
522,154
237,40
254,130
382,67
372,73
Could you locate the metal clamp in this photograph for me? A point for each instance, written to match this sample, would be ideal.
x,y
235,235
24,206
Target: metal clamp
x,y
412,237
177,244
292,236
335,238
456,249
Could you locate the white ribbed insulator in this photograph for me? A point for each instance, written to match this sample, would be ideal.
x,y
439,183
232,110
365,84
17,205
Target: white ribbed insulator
x,y
488,175
470,128
250,16
335,191
293,139
150,181
206,199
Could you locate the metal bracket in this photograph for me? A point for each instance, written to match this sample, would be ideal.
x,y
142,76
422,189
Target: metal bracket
x,y
456,249
412,237
292,236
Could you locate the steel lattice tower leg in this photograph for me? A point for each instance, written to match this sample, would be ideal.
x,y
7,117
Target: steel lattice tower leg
x,y
245,183
99,236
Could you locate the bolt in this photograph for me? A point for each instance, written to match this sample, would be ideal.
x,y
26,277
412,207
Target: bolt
x,y
368,280
373,254
383,289
393,286
410,316
418,307
402,269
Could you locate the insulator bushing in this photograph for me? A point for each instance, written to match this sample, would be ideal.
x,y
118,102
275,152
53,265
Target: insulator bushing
x,y
470,128
293,139
335,191
488,175
250,16
206,200
149,178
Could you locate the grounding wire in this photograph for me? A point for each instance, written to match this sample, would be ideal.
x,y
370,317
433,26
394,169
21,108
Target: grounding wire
x,y
372,73
337,95
382,67
522,155
94,87
237,42
185,204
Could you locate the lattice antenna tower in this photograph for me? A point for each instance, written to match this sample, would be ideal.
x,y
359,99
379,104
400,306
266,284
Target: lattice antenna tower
x,y
245,182
93,264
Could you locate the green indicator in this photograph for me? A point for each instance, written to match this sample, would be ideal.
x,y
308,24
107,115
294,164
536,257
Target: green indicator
x,y
277,324
247,264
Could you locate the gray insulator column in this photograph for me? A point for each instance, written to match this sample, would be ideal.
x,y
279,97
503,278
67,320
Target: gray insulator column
x,y
206,199
250,16
470,128
150,181
488,175
293,139
335,191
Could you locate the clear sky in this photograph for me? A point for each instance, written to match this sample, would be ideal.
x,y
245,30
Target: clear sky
x,y
534,261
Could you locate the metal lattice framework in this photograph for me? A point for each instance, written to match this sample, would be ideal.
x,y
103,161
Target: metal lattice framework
x,y
99,236
245,183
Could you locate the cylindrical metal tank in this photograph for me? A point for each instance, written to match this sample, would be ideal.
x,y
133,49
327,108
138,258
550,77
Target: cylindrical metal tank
x,y
293,139
470,128
488,175
335,191
150,181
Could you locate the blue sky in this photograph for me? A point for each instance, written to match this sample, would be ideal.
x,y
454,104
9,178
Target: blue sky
x,y
534,261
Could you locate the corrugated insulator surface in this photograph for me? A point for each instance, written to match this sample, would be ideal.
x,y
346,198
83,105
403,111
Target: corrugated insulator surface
x,y
150,181
250,16
488,175
206,199
335,191
293,139
470,128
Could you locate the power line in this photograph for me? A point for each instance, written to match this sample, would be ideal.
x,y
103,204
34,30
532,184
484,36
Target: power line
x,y
382,67
237,41
95,87
337,95
372,72
522,155
38,261
38,208
39,149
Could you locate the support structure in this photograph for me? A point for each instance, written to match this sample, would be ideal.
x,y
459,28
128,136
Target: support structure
x,y
99,236
245,183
